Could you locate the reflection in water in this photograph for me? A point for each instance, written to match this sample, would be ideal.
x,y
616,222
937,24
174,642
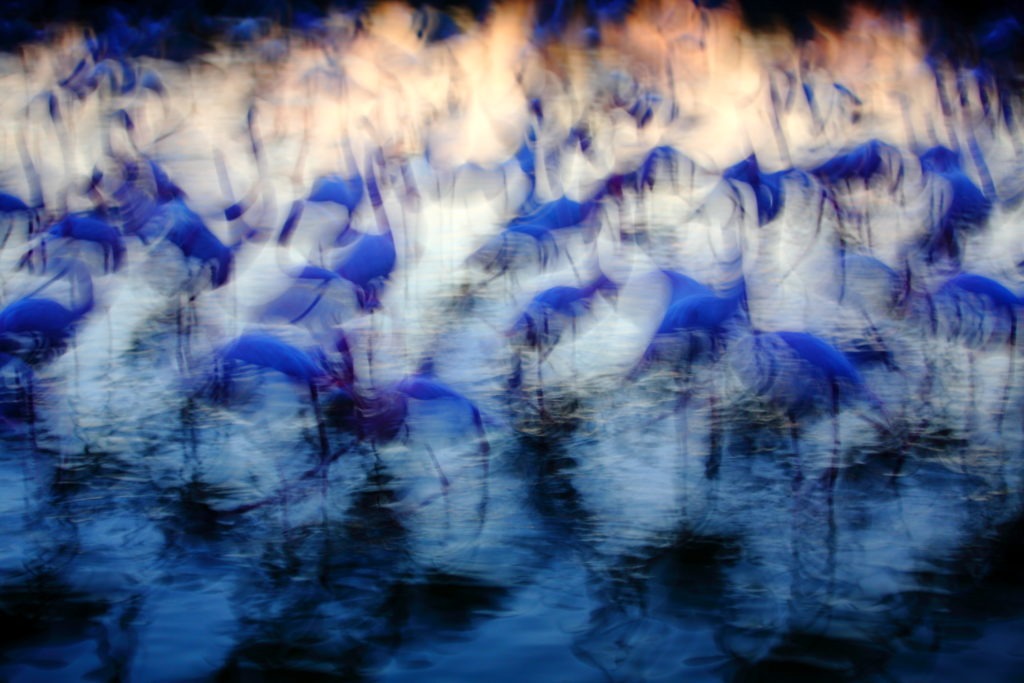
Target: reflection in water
x,y
534,344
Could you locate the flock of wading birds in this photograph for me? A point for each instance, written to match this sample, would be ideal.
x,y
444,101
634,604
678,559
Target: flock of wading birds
x,y
889,322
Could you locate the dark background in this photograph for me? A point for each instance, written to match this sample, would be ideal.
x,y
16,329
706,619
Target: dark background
x,y
957,23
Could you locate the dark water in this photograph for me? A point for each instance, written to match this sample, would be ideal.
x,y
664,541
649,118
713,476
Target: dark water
x,y
602,553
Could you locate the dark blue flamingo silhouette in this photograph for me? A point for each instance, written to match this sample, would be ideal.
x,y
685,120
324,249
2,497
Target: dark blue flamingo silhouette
x,y
526,159
344,191
35,327
156,221
554,215
695,325
867,163
380,414
260,352
768,189
166,189
703,312
664,156
967,208
310,296
967,299
90,228
539,226
368,264
681,288
176,223
800,374
145,187
374,416
118,77
541,325
10,204
978,310
310,300
425,386
267,352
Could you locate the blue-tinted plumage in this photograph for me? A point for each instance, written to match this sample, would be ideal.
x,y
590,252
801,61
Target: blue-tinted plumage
x,y
368,265
266,351
424,386
860,271
526,159
863,163
308,292
822,356
767,187
541,324
662,156
967,208
245,31
705,312
311,272
11,204
970,306
80,81
978,311
985,287
642,110
347,192
800,372
47,322
554,215
92,229
682,286
570,301
45,316
166,189
291,222
694,308
181,226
